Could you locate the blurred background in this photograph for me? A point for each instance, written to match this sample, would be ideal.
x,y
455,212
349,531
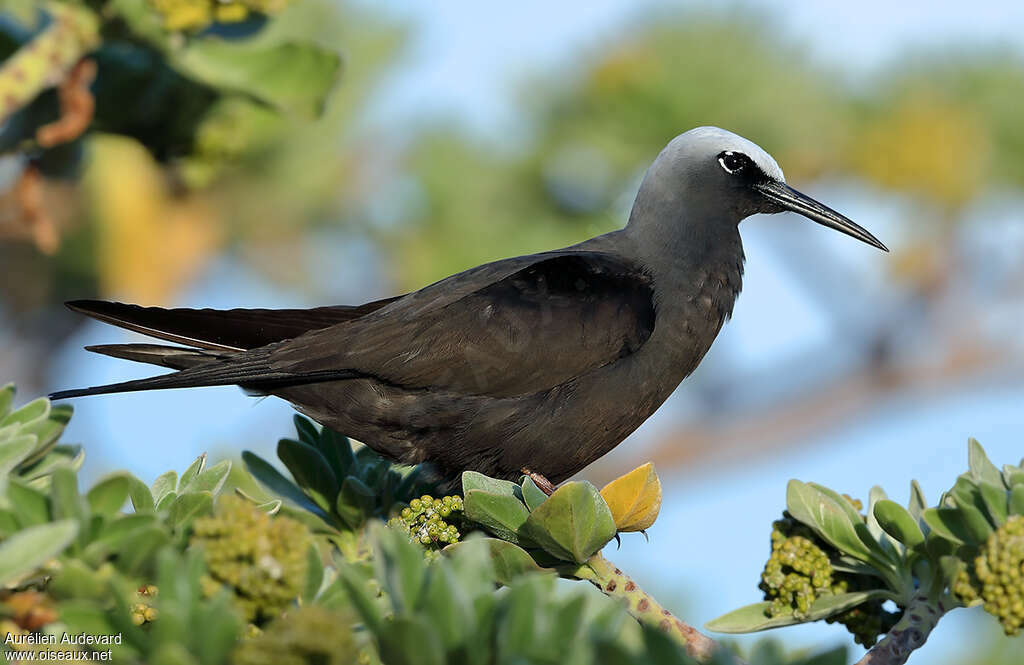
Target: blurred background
x,y
339,152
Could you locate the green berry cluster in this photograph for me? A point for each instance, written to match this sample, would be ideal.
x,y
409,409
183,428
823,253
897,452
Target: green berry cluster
x,y
997,578
799,571
310,635
198,14
432,522
142,612
261,559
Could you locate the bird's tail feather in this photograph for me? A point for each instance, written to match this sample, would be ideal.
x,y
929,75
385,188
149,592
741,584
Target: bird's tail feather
x,y
174,357
252,373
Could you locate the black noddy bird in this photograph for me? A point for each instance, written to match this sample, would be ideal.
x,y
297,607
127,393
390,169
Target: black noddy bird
x,y
536,364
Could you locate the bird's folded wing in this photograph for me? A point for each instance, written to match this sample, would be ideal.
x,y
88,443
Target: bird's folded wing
x,y
558,316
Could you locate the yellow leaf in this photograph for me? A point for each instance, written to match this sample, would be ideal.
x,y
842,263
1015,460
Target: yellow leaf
x,y
634,498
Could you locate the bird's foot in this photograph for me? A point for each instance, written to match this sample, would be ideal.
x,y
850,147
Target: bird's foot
x,y
540,481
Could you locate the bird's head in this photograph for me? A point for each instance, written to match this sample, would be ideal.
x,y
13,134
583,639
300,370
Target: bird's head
x,y
724,177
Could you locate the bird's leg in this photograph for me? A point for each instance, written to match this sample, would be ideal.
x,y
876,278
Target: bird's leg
x,y
540,481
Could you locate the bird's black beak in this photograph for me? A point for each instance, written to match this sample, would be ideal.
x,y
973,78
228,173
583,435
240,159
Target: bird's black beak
x,y
790,199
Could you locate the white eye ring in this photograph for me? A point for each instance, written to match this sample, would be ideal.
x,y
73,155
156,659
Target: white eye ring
x,y
721,161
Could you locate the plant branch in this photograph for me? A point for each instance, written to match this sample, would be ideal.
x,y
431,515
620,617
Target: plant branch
x,y
908,634
644,608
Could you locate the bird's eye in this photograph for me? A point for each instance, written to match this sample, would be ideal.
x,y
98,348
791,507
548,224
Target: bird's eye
x,y
732,162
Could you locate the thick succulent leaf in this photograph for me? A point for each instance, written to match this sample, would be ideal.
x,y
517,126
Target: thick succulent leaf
x,y
193,470
337,450
164,484
898,523
410,640
1017,500
533,496
471,480
573,524
274,481
981,468
947,523
995,499
826,517
918,503
31,505
501,514
6,399
1013,476
306,430
356,502
978,526
47,431
30,548
310,470
754,618
448,605
36,410
399,565
314,574
65,500
290,76
115,534
356,585
508,559
187,507
12,452
207,480
135,552
634,498
66,456
887,542
109,494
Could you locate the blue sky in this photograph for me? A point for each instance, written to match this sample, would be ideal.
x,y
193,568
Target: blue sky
x,y
712,538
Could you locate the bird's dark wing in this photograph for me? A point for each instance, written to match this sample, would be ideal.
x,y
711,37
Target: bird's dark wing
x,y
511,327
555,318
224,330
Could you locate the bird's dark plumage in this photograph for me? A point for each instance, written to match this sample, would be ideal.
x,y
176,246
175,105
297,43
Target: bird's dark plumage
x,y
544,361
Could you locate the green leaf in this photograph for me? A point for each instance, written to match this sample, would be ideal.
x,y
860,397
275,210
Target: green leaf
x,y
826,517
995,499
273,480
410,640
502,515
208,480
37,409
573,524
1017,500
356,502
306,430
190,473
917,501
109,494
977,524
314,574
136,551
6,399
357,589
291,76
448,605
31,505
64,497
898,523
471,480
12,452
47,431
115,532
400,567
337,450
164,484
508,560
187,507
947,523
754,618
533,496
310,470
142,498
982,469
30,548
